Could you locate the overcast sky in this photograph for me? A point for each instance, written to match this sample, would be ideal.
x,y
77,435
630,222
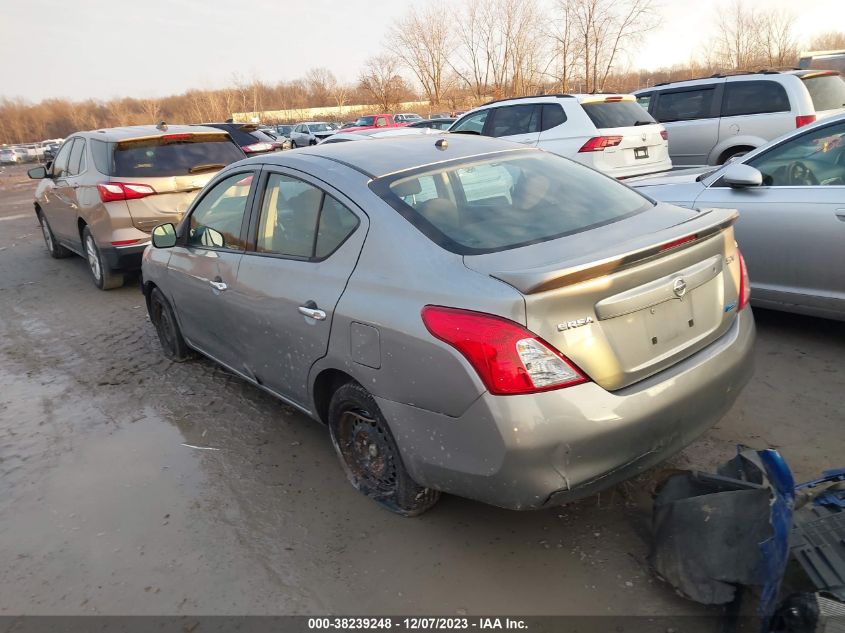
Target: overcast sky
x,y
142,48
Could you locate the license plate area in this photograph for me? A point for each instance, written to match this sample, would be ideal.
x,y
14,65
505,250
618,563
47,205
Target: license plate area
x,y
670,322
640,152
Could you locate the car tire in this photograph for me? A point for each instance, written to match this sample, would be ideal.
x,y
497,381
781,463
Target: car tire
x,y
735,152
104,277
312,141
369,454
56,250
173,344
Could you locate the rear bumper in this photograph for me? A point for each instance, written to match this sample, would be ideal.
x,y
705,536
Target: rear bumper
x,y
525,452
124,258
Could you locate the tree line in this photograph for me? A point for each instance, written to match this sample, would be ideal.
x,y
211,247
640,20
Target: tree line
x,y
457,55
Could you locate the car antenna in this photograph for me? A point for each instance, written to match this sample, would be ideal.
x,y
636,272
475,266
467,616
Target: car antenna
x,y
162,125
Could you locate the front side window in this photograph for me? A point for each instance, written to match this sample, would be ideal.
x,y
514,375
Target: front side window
x,y
76,161
684,106
504,202
301,221
754,97
472,123
60,164
513,120
381,121
811,159
218,217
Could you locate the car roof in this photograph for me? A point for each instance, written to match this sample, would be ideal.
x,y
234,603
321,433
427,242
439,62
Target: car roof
x,y
146,131
399,153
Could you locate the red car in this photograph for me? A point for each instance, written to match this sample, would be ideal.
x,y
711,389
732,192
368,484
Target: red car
x,y
372,121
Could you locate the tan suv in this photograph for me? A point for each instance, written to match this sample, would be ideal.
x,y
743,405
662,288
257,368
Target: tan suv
x,y
107,189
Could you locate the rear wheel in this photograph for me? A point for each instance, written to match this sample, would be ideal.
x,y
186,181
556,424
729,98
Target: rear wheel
x,y
104,277
735,152
169,335
56,250
369,454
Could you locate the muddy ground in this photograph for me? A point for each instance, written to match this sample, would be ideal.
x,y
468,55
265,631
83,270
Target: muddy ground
x,y
105,510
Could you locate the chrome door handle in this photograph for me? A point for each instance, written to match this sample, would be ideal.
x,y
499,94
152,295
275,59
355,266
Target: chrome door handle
x,y
312,313
219,286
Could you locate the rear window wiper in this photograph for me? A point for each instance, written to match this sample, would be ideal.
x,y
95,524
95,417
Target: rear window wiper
x,y
644,123
205,167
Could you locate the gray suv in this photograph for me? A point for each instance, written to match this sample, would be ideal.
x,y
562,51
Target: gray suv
x,y
714,119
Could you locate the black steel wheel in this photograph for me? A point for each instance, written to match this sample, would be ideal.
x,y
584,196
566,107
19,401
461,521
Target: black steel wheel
x,y
370,456
161,314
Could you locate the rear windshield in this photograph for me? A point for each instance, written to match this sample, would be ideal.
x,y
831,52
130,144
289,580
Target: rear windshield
x,y
617,114
826,91
159,157
471,207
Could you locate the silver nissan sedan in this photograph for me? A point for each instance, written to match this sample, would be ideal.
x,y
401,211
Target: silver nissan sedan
x,y
466,315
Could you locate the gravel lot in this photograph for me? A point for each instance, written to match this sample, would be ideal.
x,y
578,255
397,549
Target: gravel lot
x,y
105,510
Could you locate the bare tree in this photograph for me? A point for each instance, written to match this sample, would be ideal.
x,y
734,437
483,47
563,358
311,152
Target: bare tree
x,y
321,85
604,29
828,41
738,42
474,34
777,42
381,80
423,40
567,46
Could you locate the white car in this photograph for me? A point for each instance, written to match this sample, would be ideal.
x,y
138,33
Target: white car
x,y
9,156
374,133
610,133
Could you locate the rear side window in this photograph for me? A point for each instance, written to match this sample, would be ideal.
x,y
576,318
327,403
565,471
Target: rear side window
x,y
500,203
516,119
553,115
826,91
617,114
754,97
685,105
162,157
301,221
644,100
101,151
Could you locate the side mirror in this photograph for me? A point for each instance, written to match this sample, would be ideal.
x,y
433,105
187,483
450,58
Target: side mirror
x,y
164,236
37,173
739,176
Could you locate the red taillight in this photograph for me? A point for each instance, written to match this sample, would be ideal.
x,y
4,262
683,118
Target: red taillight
x,y
600,143
256,147
678,242
804,119
664,135
744,284
113,191
509,359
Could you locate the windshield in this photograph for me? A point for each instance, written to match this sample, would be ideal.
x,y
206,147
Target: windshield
x,y
319,127
284,129
617,114
499,203
365,121
826,91
158,157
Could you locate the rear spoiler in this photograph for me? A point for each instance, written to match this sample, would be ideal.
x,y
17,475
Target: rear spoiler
x,y
700,228
176,137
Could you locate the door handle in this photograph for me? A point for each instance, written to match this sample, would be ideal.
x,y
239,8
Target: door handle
x,y
218,284
311,310
840,213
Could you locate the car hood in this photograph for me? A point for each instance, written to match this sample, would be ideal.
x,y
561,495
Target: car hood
x,y
676,177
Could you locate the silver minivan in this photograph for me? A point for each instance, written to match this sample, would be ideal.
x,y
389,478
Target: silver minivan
x,y
717,118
